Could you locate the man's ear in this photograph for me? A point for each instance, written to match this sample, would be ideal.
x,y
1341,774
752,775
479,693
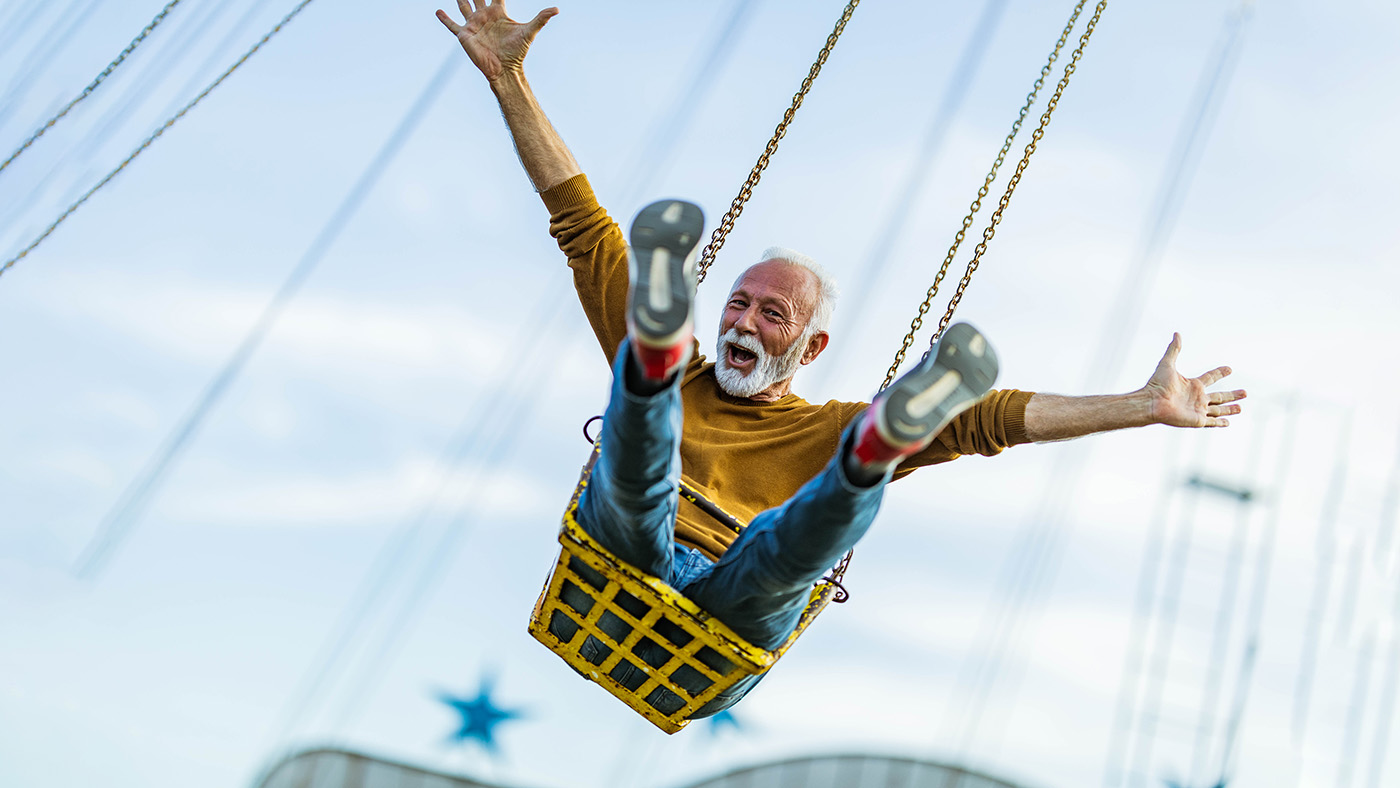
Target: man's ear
x,y
815,346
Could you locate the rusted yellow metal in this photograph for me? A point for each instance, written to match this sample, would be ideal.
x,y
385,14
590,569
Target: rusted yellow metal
x,y
601,615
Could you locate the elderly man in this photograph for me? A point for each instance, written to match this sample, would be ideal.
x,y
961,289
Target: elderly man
x,y
807,478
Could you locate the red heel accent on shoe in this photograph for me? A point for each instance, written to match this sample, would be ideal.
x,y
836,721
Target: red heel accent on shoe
x,y
659,363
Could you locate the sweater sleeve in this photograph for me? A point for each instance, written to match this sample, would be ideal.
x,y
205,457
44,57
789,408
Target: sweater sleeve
x,y
993,424
597,253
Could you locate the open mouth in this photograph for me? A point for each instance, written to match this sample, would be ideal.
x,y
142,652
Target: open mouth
x,y
739,357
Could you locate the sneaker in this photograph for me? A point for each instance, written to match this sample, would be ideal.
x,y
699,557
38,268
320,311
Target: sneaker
x,y
663,240
905,417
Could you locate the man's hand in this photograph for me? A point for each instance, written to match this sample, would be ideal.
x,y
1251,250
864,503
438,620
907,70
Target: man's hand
x,y
1184,402
496,43
1168,398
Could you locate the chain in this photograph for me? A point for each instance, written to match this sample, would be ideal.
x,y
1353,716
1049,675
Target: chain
x,y
87,91
1020,169
153,137
839,573
982,192
726,223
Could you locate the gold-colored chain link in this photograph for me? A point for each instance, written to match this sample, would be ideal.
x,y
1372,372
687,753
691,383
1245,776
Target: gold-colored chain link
x,y
153,137
1036,136
726,223
98,80
982,192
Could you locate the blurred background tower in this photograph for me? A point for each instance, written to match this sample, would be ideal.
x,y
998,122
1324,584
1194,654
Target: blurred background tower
x,y
1195,635
1200,624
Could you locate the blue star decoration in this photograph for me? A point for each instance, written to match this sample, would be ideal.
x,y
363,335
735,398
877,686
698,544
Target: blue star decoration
x,y
480,716
724,719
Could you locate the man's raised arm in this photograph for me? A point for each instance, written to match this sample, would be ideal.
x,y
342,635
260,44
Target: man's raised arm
x,y
497,45
1168,398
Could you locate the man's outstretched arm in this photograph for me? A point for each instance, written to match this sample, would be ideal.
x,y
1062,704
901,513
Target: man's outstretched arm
x,y
497,45
1168,398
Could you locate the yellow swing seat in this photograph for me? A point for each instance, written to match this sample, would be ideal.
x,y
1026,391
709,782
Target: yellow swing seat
x,y
594,598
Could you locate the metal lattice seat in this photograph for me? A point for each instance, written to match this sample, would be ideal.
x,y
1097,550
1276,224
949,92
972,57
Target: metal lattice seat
x,y
638,638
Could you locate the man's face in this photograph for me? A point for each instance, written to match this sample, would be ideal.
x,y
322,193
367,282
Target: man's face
x,y
760,328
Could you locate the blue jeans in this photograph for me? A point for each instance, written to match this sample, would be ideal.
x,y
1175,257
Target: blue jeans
x,y
760,585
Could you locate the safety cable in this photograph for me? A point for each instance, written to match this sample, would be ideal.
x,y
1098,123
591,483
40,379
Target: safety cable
x,y
726,222
991,177
98,80
152,138
121,518
882,244
1041,540
1212,695
47,46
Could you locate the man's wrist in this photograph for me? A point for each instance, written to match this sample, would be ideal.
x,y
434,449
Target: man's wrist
x,y
510,80
1144,407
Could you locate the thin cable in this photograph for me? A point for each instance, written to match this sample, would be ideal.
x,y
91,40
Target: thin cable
x,y
54,40
17,24
1260,595
1171,195
124,515
140,86
153,137
1390,519
1356,713
216,52
1351,593
1041,541
470,438
1385,709
1324,551
1130,680
956,724
1385,715
1169,604
166,63
878,256
1211,695
512,407
98,80
654,161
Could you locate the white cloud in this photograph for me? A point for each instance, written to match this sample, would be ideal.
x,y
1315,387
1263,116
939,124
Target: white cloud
x,y
206,321
365,497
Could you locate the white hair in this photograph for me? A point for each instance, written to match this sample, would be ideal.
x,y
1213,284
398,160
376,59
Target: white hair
x,y
827,292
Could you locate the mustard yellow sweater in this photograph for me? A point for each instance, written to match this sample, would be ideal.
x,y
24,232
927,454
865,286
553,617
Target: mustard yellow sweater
x,y
744,456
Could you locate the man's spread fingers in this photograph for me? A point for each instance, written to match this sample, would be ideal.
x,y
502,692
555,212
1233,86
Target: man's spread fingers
x,y
544,16
447,21
1221,397
1214,376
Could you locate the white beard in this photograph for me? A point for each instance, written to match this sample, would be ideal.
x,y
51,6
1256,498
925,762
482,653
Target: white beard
x,y
767,369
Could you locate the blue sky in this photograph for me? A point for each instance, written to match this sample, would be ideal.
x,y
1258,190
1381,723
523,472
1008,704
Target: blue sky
x,y
183,660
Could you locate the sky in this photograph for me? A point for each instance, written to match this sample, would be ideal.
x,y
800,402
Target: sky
x,y
365,516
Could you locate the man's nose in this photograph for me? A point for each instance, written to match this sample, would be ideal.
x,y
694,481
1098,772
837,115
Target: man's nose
x,y
747,322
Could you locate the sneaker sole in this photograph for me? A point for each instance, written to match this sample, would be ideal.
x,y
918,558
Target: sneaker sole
x,y
663,239
924,401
